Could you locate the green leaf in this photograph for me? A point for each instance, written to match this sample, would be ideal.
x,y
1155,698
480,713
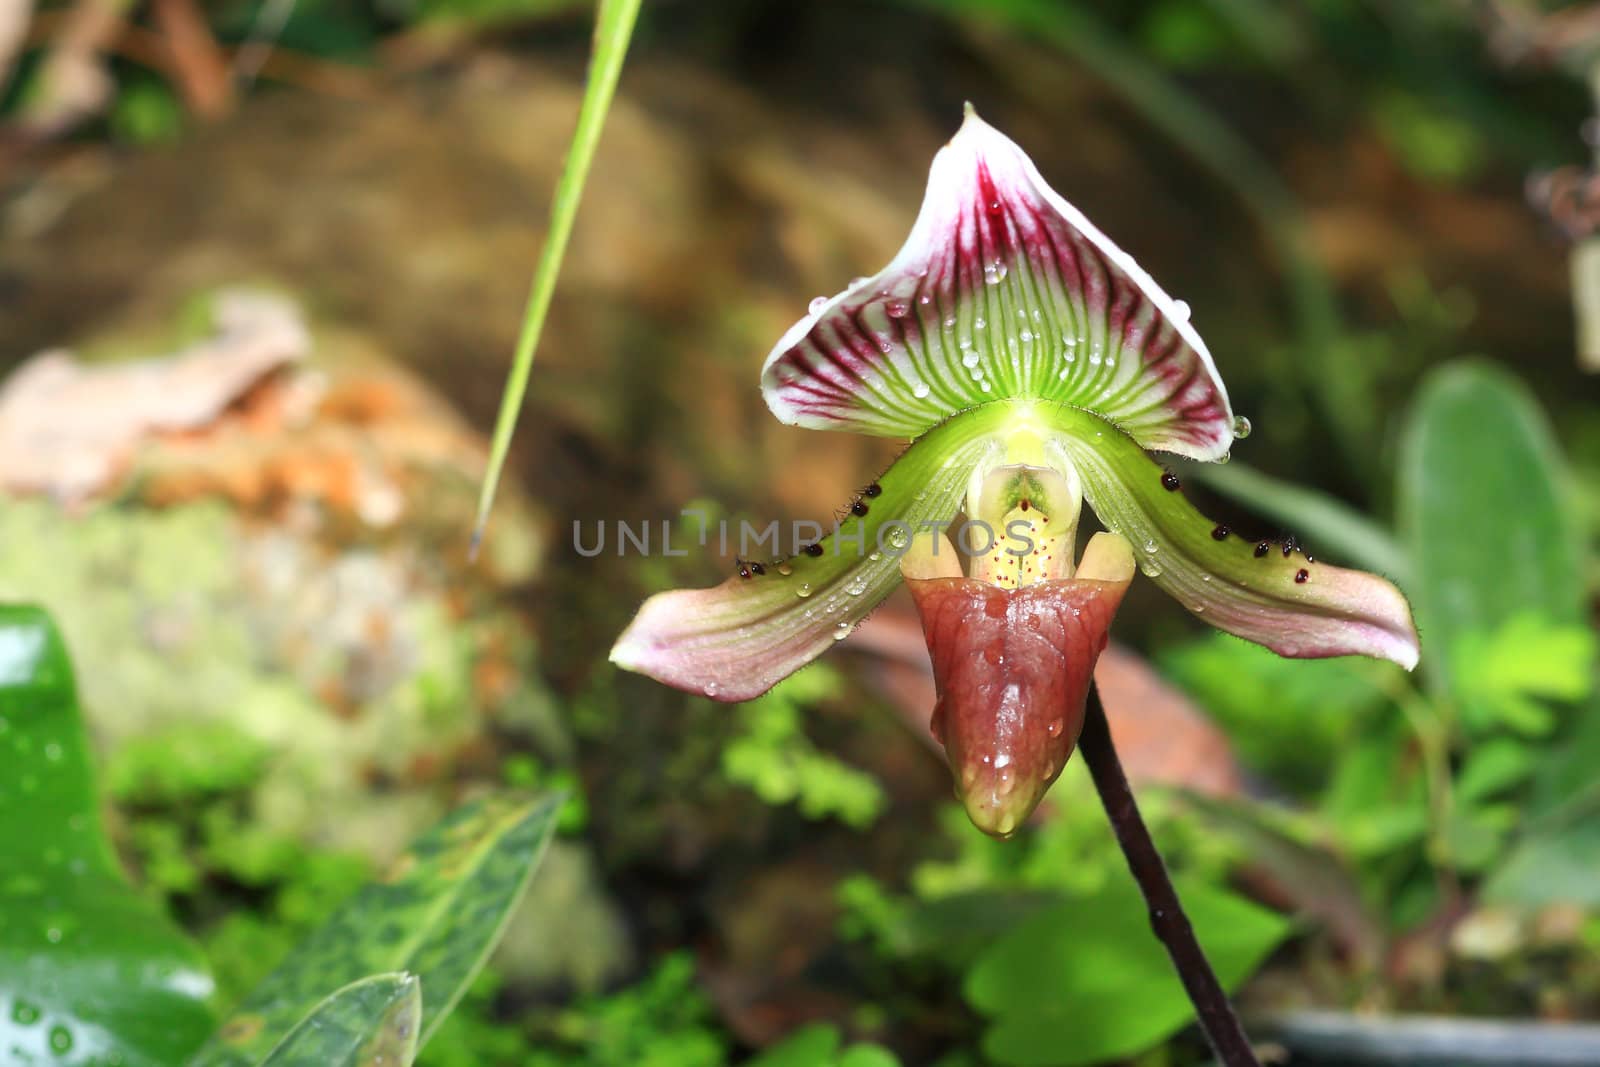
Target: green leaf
x,y
1493,767
436,916
613,28
1281,715
1484,514
806,1047
369,1023
1086,981
89,970
1504,678
1549,868
867,1055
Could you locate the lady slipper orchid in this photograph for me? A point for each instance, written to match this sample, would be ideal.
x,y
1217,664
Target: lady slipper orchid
x,y
1034,365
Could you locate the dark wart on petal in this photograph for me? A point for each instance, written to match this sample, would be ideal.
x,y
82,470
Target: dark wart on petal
x,y
1302,576
814,549
1170,482
858,508
1262,548
1219,532
872,490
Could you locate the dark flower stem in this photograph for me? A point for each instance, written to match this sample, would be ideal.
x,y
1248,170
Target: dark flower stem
x,y
1216,1014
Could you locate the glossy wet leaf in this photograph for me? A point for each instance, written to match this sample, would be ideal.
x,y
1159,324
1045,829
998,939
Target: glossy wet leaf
x,y
436,915
1086,981
1483,512
89,970
369,1023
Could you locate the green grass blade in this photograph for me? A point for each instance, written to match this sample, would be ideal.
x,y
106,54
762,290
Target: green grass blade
x,y
613,29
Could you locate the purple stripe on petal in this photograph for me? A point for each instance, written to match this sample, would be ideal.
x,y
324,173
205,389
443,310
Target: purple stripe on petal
x,y
1039,303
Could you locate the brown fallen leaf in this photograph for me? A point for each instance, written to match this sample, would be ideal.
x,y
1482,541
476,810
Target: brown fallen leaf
x,y
68,429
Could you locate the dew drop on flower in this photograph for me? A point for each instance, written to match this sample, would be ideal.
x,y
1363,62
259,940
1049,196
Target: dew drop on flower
x,y
785,570
1241,427
841,631
1150,544
804,590
919,390
817,305
896,309
1225,457
1151,568
711,689
979,323
985,385
898,537
971,359
856,587
1180,310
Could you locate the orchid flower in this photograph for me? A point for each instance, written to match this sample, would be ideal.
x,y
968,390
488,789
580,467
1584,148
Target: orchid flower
x,y
1034,365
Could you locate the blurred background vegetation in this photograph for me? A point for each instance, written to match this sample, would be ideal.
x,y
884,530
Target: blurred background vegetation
x,y
1380,212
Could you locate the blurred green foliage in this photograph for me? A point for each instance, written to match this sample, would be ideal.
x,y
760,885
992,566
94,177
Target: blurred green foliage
x,y
772,756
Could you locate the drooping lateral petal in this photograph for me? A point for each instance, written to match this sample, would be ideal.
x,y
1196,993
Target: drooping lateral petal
x,y
738,639
1264,591
1002,290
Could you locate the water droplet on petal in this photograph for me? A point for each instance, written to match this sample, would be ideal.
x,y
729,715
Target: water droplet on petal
x,y
919,390
1180,310
804,590
841,631
896,309
817,305
1241,427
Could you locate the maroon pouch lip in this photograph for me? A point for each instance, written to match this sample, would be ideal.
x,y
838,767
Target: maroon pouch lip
x,y
1011,668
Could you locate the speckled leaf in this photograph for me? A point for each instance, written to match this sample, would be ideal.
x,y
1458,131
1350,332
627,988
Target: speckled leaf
x,y
90,973
437,915
370,1023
